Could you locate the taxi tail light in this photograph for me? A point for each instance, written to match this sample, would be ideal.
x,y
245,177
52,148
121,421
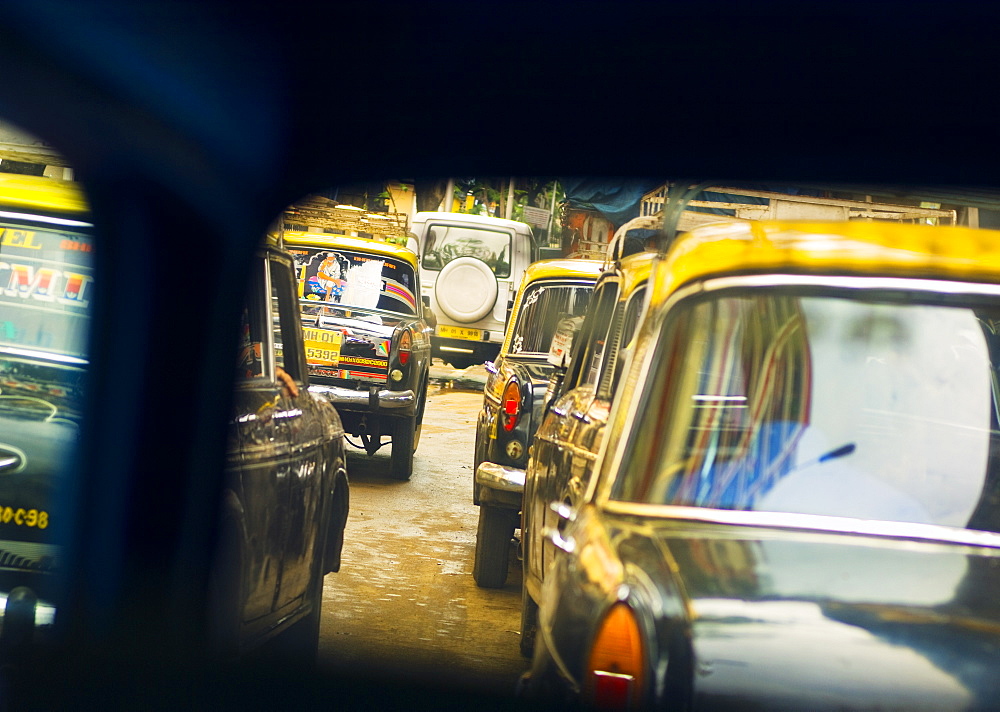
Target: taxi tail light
x,y
511,405
405,343
614,675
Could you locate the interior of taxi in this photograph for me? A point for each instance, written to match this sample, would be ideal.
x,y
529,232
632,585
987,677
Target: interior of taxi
x,y
191,125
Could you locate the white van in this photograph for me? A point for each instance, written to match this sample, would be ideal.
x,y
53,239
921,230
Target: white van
x,y
470,267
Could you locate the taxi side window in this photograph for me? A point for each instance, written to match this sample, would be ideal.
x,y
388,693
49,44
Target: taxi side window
x,y
252,348
285,320
587,356
628,318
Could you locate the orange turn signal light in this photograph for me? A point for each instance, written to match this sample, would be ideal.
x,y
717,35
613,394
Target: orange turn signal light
x,y
617,664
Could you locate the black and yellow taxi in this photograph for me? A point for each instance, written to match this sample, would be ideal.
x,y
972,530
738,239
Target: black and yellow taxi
x,y
46,285
284,503
286,497
551,291
572,426
796,503
367,337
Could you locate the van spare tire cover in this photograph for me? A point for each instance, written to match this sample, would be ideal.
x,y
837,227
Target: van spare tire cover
x,y
466,289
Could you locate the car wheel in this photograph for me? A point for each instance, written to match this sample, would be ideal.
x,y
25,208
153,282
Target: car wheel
x,y
529,622
496,528
297,647
420,415
403,444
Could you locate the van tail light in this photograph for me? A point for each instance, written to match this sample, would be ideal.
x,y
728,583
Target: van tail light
x,y
614,675
511,405
405,343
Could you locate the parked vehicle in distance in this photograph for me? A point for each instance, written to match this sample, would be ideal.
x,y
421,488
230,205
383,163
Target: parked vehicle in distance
x,y
367,339
286,499
46,286
796,502
571,427
512,399
470,267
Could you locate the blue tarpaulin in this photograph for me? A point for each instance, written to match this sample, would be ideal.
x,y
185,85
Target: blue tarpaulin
x,y
618,199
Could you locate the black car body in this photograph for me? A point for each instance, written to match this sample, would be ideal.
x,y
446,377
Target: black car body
x,y
286,494
572,425
796,503
367,339
513,397
286,499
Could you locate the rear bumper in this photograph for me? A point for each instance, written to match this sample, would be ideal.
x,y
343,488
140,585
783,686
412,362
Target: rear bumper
x,y
373,400
500,485
488,348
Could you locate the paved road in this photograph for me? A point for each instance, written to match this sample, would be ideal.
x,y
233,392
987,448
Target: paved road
x,y
404,605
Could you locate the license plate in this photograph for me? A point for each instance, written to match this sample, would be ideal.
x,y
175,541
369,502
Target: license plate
x,y
460,332
322,347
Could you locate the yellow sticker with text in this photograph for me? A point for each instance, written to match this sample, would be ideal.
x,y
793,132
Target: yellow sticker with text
x,y
323,346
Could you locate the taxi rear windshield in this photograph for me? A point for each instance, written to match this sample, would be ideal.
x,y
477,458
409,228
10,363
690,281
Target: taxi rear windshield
x,y
824,404
351,279
46,280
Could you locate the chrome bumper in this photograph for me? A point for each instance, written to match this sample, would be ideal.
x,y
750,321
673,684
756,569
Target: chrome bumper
x,y
371,401
499,477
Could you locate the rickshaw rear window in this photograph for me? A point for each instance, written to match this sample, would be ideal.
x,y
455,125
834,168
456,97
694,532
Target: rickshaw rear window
x,y
46,279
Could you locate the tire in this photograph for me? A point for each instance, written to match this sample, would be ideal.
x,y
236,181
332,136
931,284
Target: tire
x,y
529,623
420,415
466,290
496,529
298,646
403,445
335,529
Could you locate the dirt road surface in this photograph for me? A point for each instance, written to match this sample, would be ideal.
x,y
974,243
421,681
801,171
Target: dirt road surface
x,y
404,606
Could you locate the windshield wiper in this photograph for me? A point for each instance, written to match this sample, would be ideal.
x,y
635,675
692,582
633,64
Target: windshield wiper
x,y
834,454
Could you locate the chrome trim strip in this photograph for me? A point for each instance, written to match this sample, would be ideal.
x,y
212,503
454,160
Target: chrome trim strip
x,y
43,355
807,522
500,477
932,286
387,400
11,455
31,217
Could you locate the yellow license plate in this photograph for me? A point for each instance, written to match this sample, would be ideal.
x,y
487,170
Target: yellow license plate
x,y
459,332
322,346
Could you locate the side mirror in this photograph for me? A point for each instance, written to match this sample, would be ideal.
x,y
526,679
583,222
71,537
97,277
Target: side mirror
x,y
554,387
429,316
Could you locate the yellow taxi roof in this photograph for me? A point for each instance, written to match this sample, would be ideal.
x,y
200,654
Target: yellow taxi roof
x,y
852,248
635,270
562,269
44,195
296,238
